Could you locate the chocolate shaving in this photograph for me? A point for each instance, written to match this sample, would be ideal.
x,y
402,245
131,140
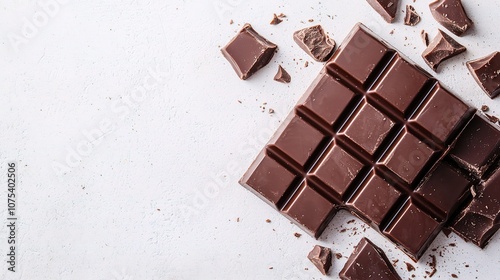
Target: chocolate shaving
x,y
425,37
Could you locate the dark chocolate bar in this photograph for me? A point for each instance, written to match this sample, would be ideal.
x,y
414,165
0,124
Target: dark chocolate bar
x,y
371,135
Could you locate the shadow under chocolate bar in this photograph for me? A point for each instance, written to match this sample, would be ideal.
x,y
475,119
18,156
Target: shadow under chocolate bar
x,y
375,135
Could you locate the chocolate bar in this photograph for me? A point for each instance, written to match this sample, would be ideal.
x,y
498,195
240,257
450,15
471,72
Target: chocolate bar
x,y
372,135
378,136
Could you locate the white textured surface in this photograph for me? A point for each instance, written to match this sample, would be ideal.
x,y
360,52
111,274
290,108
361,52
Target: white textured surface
x,y
181,146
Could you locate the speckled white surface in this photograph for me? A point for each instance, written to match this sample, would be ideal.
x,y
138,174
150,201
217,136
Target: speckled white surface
x,y
154,194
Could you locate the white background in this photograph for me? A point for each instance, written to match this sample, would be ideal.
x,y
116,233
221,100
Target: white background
x,y
156,195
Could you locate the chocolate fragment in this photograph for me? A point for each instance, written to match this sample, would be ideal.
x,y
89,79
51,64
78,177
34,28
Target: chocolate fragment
x,y
412,18
479,221
485,108
370,136
492,118
248,52
409,266
321,257
443,47
276,20
386,8
486,72
451,15
314,41
282,76
368,262
425,37
297,234
478,146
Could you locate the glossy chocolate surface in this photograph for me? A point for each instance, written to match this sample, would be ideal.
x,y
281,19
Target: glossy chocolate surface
x,y
368,261
371,135
248,52
321,257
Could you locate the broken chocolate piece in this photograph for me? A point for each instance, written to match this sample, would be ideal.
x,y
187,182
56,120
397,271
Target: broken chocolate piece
x,y
443,47
425,37
282,76
321,257
386,8
276,20
478,146
248,52
479,221
486,72
485,108
368,262
412,18
314,41
409,266
492,118
451,15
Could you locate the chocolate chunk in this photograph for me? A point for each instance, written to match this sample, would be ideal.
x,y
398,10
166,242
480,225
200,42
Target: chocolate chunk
x,y
248,52
478,146
368,262
492,118
282,76
314,41
425,37
321,257
386,8
378,136
443,47
486,72
479,221
276,20
451,15
412,18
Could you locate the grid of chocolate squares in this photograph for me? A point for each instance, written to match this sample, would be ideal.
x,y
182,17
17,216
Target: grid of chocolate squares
x,y
383,139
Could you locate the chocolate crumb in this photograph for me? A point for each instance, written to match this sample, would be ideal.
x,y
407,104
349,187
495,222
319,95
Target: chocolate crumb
x,y
238,220
282,15
310,20
394,262
306,64
268,221
305,268
350,221
231,22
392,32
466,265
412,18
271,267
297,234
338,256
276,20
343,230
454,275
271,111
453,245
485,108
409,266
432,272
